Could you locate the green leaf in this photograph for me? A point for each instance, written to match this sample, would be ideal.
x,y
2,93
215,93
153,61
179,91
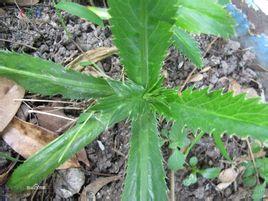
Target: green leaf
x,y
178,136
193,161
187,46
217,112
220,145
259,192
249,181
145,174
256,147
211,173
204,16
80,11
194,142
250,170
142,33
191,179
101,12
48,78
262,165
176,160
45,161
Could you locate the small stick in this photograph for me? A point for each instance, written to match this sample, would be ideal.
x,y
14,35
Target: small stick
x,y
22,44
172,186
210,46
186,81
52,109
253,160
49,114
44,101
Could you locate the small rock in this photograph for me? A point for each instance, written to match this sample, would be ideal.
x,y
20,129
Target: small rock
x,y
199,193
43,48
231,47
213,79
214,61
68,182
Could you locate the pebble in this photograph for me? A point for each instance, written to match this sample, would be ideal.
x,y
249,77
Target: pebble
x,y
68,182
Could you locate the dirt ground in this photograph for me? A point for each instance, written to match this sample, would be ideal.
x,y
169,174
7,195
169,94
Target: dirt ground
x,y
226,63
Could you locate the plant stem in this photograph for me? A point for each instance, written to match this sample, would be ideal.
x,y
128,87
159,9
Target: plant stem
x,y
172,185
253,160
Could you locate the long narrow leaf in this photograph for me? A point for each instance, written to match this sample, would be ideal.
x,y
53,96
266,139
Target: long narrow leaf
x,y
187,46
145,175
142,32
80,11
218,113
43,163
204,16
48,78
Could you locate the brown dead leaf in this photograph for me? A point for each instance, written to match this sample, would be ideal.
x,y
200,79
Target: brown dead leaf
x,y
196,78
26,139
222,186
206,69
237,89
228,175
22,2
82,157
94,56
53,123
9,91
93,188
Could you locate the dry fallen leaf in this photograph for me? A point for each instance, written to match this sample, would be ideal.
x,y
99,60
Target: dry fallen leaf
x,y
26,139
227,177
9,91
206,69
237,89
53,122
23,2
93,188
93,56
196,78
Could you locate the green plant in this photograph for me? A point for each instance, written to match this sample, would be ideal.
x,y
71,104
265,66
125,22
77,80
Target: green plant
x,y
208,173
251,177
142,32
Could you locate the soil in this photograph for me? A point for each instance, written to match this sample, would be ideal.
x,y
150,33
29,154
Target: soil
x,y
45,37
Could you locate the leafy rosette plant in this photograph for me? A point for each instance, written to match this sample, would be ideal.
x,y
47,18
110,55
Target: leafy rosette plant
x,y
143,30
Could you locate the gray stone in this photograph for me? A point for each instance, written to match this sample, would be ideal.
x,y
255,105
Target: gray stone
x,y
68,182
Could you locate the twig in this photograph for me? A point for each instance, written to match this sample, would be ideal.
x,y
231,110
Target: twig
x,y
53,109
119,152
50,114
172,185
44,101
186,81
210,46
253,160
22,44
